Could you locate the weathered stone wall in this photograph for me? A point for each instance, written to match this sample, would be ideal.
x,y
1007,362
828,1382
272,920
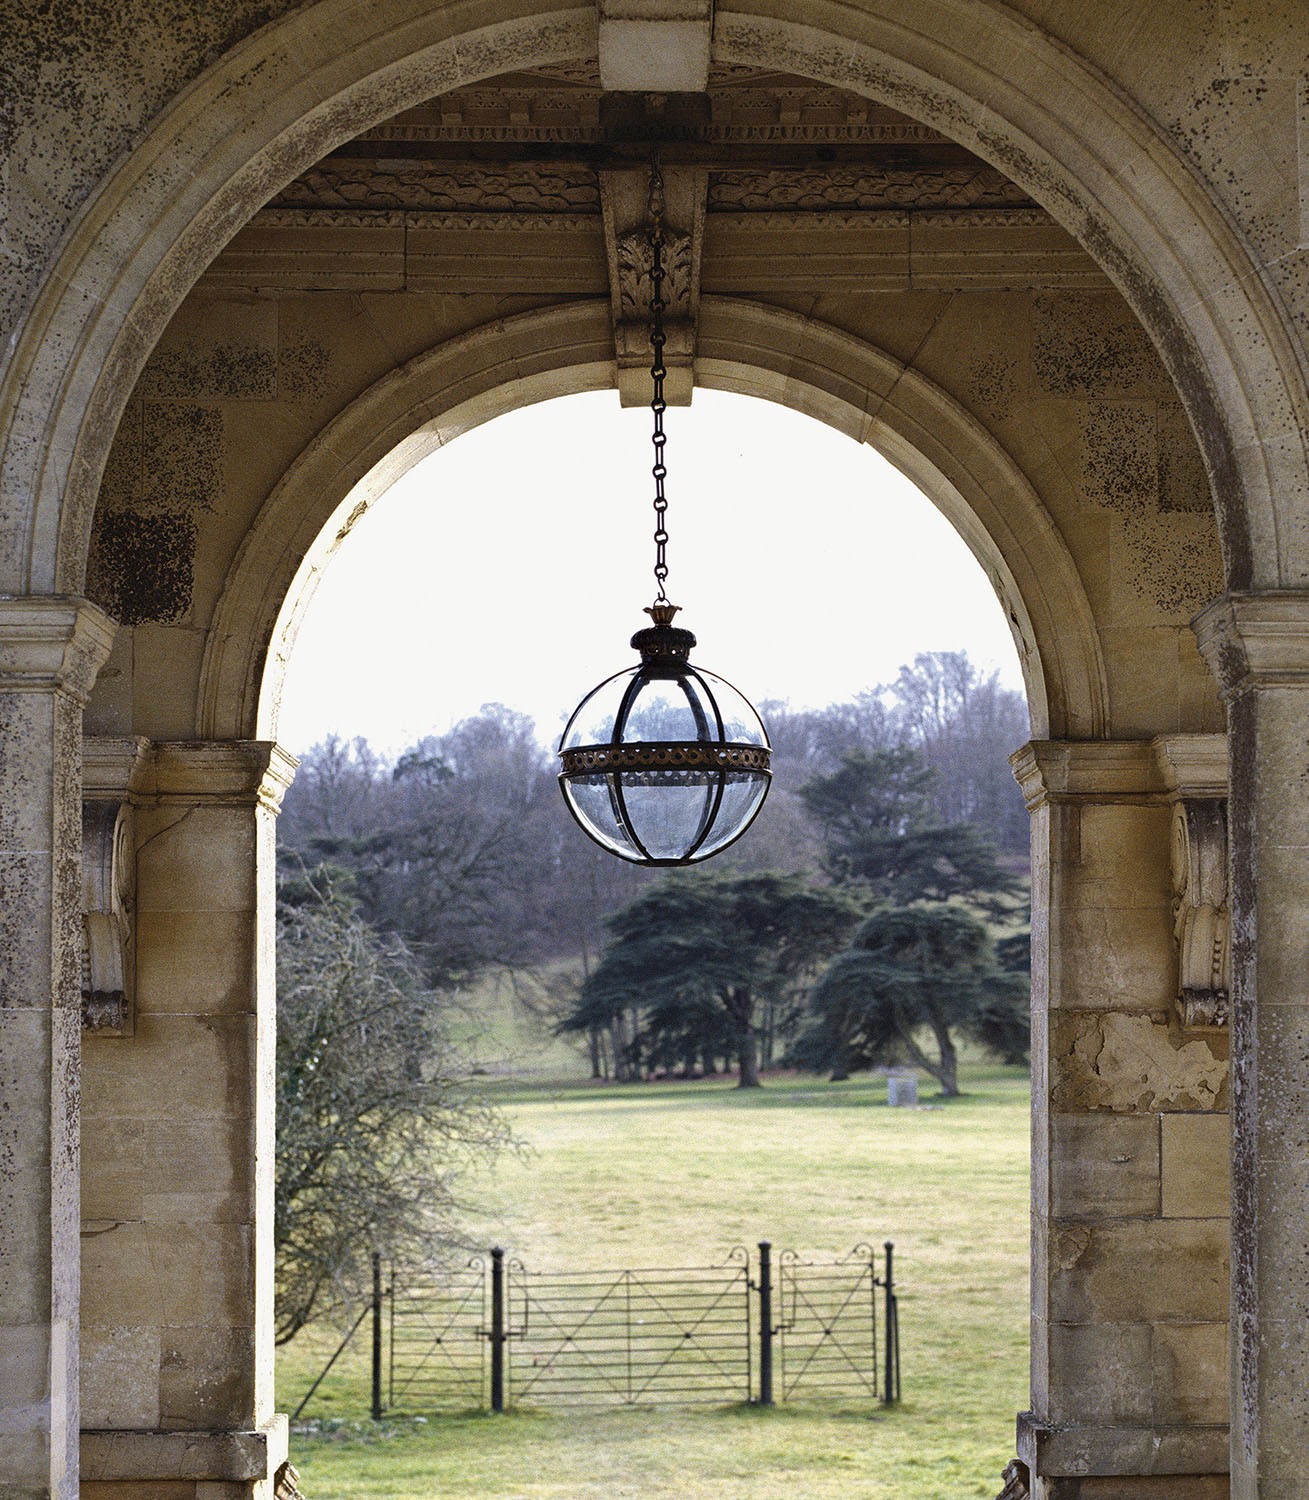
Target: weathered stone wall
x,y
176,1343
1063,380
1130,1143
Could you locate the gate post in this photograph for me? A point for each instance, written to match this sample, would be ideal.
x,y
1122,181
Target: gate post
x,y
377,1336
765,1323
891,1390
497,1329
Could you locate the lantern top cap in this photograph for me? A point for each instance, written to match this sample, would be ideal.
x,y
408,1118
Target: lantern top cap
x,y
663,641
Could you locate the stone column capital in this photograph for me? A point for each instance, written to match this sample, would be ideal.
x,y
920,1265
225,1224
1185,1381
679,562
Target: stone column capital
x,y
1255,641
216,773
1193,766
52,644
1087,771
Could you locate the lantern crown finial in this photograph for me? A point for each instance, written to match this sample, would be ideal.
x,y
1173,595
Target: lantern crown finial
x,y
663,639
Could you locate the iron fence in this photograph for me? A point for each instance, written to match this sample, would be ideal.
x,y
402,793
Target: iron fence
x,y
494,1334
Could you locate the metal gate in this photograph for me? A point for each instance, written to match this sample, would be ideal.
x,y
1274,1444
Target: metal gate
x,y
828,1326
438,1341
607,1338
494,1334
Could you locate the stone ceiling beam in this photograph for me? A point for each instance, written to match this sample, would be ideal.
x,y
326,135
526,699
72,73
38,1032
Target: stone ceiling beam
x,y
655,45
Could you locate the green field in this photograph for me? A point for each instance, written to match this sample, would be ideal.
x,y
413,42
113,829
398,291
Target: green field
x,y
673,1174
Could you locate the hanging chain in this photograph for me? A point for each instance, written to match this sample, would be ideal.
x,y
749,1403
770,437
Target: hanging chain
x,y
657,370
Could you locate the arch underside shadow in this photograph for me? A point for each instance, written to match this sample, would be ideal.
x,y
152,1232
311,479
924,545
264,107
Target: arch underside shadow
x,y
742,347
974,71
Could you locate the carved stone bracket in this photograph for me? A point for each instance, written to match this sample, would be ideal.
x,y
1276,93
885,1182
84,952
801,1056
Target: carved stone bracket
x,y
623,195
1195,769
111,771
1201,919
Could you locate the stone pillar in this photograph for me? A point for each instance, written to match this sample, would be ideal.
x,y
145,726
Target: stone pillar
x,y
50,651
1258,648
177,1311
1129,1147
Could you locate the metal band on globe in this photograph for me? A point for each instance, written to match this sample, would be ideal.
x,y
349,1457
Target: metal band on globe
x,y
590,760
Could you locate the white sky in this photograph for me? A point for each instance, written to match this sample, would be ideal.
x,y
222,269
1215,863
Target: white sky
x,y
513,566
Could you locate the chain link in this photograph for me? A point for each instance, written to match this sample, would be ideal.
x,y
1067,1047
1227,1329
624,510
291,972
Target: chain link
x,y
657,372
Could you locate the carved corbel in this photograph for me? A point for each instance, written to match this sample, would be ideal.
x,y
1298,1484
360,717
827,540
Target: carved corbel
x,y
108,909
623,195
1201,919
110,770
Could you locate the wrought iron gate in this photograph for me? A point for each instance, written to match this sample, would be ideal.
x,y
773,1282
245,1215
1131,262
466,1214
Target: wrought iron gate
x,y
496,1334
438,1341
631,1337
827,1324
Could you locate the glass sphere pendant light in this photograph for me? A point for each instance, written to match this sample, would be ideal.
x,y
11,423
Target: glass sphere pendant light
x,y
663,764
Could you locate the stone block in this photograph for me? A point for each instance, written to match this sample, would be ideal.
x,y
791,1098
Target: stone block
x,y
25,1464
296,257
171,1275
1104,1166
195,859
216,347
25,898
1134,1064
1139,1271
1189,1372
1131,1454
207,1377
196,962
28,804
870,253
120,1376
230,1456
1011,251
1135,1487
1100,1373
153,1489
112,1160
166,662
199,1170
1196,1155
1282,1038
24,1365
565,255
178,1067
1113,958
1119,856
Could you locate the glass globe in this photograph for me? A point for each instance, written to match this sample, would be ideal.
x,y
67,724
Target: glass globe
x,y
664,764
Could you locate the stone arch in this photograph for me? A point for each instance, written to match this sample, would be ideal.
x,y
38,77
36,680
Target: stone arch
x,y
742,347
281,98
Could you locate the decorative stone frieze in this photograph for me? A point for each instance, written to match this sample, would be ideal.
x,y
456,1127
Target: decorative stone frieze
x,y
863,189
516,189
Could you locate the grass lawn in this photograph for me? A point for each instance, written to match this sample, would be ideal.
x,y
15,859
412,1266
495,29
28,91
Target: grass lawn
x,y
674,1174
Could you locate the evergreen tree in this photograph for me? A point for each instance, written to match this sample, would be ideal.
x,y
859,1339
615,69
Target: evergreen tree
x,y
707,960
911,972
875,814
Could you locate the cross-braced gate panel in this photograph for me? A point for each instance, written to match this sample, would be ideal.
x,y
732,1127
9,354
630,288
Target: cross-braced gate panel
x,y
827,1327
438,1341
630,1337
